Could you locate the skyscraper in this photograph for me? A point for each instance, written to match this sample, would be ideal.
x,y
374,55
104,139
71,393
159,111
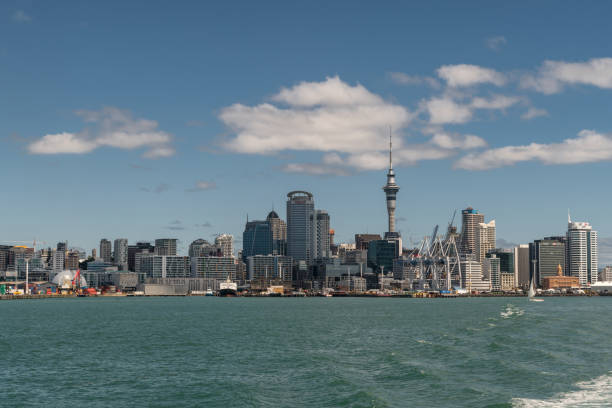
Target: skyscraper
x,y
470,218
582,252
201,247
225,242
165,246
391,190
138,248
320,237
548,254
105,250
300,211
485,239
278,228
121,253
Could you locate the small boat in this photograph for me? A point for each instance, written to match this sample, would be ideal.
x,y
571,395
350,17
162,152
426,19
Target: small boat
x,y
531,294
209,292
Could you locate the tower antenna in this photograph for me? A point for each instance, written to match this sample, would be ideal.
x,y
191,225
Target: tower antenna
x,y
390,148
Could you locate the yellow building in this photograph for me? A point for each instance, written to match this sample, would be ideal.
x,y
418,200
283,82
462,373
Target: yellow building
x,y
560,281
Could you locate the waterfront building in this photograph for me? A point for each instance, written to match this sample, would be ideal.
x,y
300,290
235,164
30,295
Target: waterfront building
x,y
105,250
507,281
582,252
547,254
213,267
201,247
559,281
134,249
62,246
523,265
165,266
321,239
471,276
470,219
381,254
605,274
4,257
165,247
138,257
269,267
508,262
485,239
491,271
354,256
58,259
225,242
120,253
300,211
352,284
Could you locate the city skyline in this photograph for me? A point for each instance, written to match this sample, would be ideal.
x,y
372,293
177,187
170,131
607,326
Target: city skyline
x,y
153,132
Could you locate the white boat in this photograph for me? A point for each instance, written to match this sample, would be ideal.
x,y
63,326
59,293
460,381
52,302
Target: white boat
x,y
228,288
531,294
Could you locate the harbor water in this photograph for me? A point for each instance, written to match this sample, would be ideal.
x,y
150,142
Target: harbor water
x,y
310,352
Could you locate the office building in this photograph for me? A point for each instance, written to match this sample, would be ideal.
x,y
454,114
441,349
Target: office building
x,y
381,254
321,239
472,278
164,266
105,251
508,262
62,246
278,229
582,252
523,265
545,255
72,260
165,247
225,243
300,211
470,219
491,271
58,259
485,239
120,253
134,249
201,247
605,274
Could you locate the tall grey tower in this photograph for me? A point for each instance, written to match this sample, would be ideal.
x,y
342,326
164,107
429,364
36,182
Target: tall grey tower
x,y
391,190
300,211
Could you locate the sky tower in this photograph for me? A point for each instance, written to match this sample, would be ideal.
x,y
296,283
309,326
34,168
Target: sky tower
x,y
391,190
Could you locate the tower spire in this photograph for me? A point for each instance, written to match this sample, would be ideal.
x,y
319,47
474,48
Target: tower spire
x,y
390,149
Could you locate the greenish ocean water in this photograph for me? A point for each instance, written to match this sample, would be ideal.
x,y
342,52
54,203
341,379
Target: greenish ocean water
x,y
312,352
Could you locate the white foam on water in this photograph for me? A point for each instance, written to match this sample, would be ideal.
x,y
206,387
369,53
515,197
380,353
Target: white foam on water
x,y
510,311
593,393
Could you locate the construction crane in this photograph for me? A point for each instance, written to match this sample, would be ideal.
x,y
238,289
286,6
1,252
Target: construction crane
x,y
76,282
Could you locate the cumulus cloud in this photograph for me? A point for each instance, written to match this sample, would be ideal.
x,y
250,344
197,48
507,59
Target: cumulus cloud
x,y
495,102
20,16
319,116
467,75
445,110
533,113
110,127
202,185
496,43
316,169
588,147
405,79
554,75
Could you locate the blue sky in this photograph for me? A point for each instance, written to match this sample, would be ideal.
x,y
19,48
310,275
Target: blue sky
x,y
151,119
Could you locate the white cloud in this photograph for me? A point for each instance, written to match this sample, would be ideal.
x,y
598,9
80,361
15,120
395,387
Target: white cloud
x,y
553,75
588,147
446,110
467,75
316,169
495,102
496,43
112,127
20,16
321,116
454,141
405,79
534,113
202,185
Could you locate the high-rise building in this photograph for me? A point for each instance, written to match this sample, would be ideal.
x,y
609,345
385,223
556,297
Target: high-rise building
x,y
523,265
162,266
320,238
165,247
105,250
485,239
491,271
300,210
58,260
134,249
470,218
391,190
268,267
72,260
278,228
381,254
225,242
605,274
582,252
4,257
62,246
508,262
94,253
267,237
214,267
121,254
201,247
548,254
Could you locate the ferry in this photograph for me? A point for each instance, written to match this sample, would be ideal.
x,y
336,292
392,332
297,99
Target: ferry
x,y
228,288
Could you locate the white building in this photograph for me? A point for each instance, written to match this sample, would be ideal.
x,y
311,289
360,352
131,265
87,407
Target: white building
x,y
472,278
485,239
582,252
226,243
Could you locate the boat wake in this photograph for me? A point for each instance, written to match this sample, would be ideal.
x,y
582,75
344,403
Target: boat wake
x,y
593,393
510,311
